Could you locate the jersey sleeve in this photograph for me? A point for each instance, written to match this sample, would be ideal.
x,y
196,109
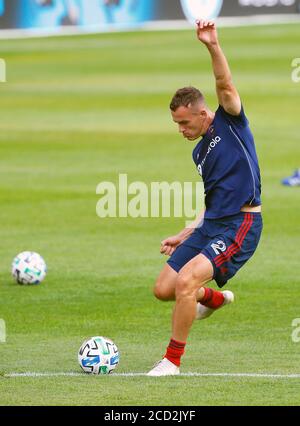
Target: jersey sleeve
x,y
238,120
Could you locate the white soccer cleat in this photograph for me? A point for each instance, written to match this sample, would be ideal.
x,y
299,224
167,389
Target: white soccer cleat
x,y
205,312
164,368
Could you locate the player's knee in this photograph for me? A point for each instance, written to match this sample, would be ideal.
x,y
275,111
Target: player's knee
x,y
184,286
161,292
187,285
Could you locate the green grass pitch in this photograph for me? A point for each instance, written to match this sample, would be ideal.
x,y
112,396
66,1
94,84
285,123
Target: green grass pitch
x,y
80,110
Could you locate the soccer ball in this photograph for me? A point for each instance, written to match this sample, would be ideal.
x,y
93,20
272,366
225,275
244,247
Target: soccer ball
x,y
98,355
29,268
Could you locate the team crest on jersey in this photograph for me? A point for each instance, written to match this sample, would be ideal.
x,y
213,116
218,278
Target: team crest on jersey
x,y
211,130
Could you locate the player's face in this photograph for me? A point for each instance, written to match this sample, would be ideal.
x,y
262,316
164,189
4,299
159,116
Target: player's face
x,y
192,121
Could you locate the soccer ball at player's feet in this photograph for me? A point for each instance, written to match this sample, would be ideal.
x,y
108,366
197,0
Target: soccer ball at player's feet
x,y
164,368
98,355
205,312
29,268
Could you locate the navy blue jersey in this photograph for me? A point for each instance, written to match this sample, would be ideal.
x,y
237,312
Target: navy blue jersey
x,y
227,161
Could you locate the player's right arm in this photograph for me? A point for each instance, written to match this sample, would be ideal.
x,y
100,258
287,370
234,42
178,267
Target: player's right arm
x,y
169,245
227,93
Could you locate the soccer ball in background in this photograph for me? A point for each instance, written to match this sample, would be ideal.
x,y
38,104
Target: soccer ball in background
x,y
98,355
29,268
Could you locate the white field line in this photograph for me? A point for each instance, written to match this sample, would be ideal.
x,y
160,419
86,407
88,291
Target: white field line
x,y
233,375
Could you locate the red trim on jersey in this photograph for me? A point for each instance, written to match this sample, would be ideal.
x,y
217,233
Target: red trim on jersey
x,y
239,239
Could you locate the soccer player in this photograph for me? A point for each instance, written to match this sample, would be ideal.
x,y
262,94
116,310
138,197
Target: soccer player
x,y
226,234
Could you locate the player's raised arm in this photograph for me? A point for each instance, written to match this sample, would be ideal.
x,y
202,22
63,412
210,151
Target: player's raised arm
x,y
227,94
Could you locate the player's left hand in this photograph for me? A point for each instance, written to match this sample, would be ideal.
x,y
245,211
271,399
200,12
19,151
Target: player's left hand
x,y
207,32
169,245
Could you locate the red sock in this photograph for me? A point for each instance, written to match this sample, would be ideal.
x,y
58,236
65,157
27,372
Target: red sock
x,y
212,298
175,350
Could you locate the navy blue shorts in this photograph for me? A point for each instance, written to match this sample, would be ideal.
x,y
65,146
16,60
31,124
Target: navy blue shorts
x,y
228,243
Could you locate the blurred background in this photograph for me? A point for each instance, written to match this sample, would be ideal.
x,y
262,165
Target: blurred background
x,y
53,14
